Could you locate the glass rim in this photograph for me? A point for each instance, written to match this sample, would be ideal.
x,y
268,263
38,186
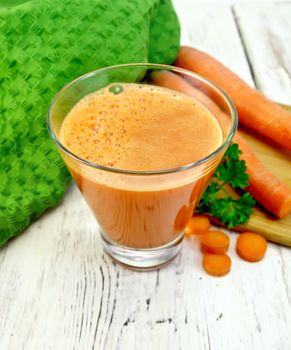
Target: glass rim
x,y
203,160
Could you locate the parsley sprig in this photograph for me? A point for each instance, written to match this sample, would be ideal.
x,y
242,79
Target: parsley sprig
x,y
217,201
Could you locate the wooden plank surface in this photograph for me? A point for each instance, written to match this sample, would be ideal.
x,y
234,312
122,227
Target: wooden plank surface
x,y
266,34
59,291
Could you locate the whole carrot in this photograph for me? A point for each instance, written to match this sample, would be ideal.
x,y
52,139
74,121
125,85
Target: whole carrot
x,y
266,188
176,82
255,110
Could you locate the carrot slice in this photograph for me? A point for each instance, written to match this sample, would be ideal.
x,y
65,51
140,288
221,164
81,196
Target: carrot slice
x,y
251,246
214,242
216,265
197,225
266,188
255,111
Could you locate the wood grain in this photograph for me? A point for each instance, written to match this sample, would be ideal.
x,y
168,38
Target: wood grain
x,y
59,291
266,33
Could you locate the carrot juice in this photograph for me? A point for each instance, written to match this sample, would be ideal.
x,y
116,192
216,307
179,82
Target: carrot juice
x,y
137,129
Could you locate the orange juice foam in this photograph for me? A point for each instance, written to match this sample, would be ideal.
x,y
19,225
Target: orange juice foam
x,y
142,128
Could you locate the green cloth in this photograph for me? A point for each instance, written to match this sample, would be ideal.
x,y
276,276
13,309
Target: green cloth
x,y
44,44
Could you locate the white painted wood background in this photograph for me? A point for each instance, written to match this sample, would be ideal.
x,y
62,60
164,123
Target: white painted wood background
x,y
59,291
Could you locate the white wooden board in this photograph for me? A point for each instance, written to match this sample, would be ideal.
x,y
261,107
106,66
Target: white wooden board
x,y
266,32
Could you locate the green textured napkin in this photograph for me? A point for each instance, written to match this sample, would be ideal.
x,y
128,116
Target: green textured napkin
x,y
43,45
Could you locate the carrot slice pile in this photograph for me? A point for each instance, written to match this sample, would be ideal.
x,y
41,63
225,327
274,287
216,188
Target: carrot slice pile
x,y
216,265
197,225
251,246
214,242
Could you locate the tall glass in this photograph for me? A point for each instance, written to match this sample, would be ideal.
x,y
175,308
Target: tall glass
x,y
142,214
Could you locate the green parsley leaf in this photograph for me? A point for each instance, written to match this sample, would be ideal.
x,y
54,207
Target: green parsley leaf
x,y
217,202
232,170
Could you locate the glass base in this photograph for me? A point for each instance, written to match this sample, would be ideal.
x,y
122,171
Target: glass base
x,y
142,259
